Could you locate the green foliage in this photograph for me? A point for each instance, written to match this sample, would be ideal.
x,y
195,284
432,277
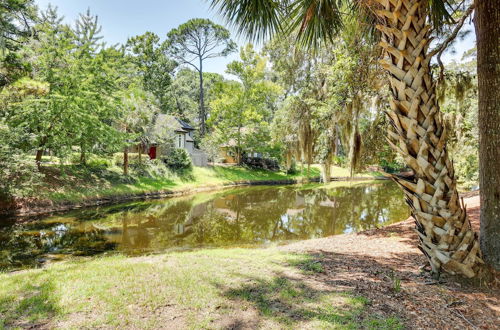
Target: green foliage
x,y
310,266
78,106
16,20
185,93
210,145
151,168
194,42
242,111
457,94
153,66
178,159
199,36
316,22
19,175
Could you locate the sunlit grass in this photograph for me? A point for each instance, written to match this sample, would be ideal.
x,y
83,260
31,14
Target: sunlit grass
x,y
77,183
198,288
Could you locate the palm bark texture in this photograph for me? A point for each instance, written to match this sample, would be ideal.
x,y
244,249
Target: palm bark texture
x,y
418,134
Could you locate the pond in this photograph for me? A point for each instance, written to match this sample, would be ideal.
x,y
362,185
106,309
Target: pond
x,y
244,217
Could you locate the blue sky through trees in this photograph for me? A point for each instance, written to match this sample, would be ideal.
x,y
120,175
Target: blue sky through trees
x,y
121,19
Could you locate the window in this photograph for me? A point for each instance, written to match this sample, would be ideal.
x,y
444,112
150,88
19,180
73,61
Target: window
x,y
179,141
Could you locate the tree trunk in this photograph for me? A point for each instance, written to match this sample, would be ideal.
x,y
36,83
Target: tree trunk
x,y
202,101
83,156
125,161
140,153
418,134
487,24
38,158
39,152
327,169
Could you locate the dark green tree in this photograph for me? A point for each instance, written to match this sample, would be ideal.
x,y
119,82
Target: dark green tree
x,y
153,66
17,18
194,42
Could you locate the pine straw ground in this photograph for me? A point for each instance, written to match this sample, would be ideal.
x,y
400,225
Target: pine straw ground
x,y
385,266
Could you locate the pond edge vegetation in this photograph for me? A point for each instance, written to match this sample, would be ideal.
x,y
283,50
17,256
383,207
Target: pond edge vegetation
x,y
189,183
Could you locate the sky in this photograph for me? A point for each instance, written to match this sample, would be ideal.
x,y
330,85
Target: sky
x,y
121,19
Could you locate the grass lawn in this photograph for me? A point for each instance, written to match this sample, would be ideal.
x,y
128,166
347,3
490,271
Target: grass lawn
x,y
218,288
74,183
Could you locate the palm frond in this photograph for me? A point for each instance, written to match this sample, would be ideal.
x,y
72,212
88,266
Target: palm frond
x,y
255,19
439,14
315,21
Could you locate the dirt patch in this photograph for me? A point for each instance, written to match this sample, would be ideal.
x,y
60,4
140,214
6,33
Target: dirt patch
x,y
385,266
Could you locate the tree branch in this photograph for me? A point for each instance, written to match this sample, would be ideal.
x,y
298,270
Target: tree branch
x,y
439,50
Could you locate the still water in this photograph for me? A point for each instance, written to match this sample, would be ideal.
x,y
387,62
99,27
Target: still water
x,y
249,216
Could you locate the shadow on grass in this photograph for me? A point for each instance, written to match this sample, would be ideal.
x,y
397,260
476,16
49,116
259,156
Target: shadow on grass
x,y
310,300
289,301
33,304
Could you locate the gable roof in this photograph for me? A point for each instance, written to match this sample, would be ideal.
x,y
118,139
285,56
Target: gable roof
x,y
185,125
165,126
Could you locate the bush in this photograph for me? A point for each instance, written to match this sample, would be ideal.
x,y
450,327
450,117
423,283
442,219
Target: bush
x,y
151,168
19,176
293,169
133,158
467,166
341,161
391,166
261,163
93,160
178,159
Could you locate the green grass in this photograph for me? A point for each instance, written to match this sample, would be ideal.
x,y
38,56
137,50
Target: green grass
x,y
203,289
74,183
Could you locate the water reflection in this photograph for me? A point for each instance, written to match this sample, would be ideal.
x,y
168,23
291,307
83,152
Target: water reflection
x,y
239,217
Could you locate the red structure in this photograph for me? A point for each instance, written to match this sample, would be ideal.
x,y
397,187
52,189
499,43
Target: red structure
x,y
152,152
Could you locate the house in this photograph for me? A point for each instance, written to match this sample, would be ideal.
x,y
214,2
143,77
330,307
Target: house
x,y
169,132
228,152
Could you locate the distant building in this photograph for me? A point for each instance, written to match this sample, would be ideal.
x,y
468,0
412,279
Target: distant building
x,y
169,132
228,152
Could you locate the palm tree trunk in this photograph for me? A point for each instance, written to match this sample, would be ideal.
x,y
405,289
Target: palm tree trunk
x,y
418,134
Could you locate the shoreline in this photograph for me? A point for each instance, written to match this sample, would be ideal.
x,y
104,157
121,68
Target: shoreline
x,y
21,208
373,278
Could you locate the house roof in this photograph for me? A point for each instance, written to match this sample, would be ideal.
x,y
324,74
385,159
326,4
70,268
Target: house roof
x,y
165,125
175,123
185,125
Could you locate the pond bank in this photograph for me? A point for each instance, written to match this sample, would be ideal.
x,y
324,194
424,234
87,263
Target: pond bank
x,y
223,178
368,280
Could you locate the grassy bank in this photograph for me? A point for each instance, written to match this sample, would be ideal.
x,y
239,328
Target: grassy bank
x,y
73,183
205,289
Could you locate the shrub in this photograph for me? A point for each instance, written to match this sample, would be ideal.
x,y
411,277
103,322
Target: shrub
x,y
293,169
93,160
341,161
261,163
151,168
133,158
178,159
19,176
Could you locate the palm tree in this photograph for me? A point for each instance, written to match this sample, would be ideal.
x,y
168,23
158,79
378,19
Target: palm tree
x,y
417,132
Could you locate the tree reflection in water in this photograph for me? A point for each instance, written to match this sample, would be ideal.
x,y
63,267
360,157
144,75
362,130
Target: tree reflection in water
x,y
248,216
